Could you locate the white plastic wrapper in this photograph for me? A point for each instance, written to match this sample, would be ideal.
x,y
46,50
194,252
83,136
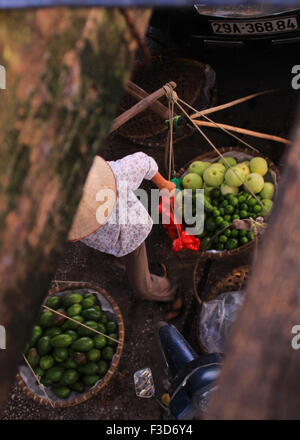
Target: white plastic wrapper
x,y
216,319
27,375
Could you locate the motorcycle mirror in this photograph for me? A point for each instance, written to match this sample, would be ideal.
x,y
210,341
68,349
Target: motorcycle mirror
x,y
144,384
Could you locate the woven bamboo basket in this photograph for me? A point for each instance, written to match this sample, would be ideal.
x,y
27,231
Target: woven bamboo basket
x,y
212,156
195,85
232,282
82,397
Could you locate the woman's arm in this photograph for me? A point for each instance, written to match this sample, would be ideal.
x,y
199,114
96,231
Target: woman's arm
x,y
138,166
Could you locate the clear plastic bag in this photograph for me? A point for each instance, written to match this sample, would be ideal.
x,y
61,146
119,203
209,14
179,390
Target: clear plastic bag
x,y
216,319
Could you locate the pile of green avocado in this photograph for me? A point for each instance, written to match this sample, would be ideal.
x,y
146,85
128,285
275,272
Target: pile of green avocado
x,y
65,355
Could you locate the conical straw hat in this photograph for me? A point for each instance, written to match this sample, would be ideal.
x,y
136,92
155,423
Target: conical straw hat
x,y
97,201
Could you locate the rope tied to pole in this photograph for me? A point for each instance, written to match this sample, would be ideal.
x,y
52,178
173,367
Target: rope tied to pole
x,y
172,99
170,93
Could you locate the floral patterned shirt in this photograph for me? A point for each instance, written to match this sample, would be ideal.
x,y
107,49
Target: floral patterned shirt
x,y
129,223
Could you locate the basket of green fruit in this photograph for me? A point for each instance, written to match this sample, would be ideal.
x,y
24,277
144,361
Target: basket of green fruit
x,y
75,346
227,198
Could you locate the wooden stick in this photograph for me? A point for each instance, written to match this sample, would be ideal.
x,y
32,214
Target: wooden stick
x,y
138,108
230,104
137,92
80,323
243,131
37,378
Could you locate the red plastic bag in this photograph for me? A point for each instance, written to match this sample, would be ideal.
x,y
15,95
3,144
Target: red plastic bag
x,y
186,241
181,240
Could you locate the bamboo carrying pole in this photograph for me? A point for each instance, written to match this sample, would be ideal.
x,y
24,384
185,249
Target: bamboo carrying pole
x,y
138,93
163,112
139,107
243,131
230,104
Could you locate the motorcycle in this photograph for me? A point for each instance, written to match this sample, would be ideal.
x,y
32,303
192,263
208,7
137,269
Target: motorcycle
x,y
192,377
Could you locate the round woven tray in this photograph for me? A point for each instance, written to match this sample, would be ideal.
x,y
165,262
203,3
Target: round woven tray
x,y
212,155
82,397
195,83
232,282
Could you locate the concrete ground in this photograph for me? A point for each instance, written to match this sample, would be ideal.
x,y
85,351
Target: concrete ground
x,y
238,73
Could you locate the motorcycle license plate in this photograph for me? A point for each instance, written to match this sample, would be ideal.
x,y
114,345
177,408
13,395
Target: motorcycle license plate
x,y
255,27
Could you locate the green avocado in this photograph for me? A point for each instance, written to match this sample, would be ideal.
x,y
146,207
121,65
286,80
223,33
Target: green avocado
x,y
111,327
72,298
71,325
54,373
36,334
53,302
33,357
110,342
44,345
90,380
46,319
88,301
93,313
69,363
78,386
101,327
58,319
53,331
74,310
108,353
61,392
82,331
46,362
83,344
72,333
62,340
100,341
104,319
39,371
60,354
94,355
89,369
69,377
103,367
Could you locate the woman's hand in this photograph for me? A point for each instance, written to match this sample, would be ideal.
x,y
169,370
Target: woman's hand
x,y
170,186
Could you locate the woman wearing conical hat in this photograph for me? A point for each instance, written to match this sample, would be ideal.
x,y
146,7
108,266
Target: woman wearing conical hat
x,y
111,219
